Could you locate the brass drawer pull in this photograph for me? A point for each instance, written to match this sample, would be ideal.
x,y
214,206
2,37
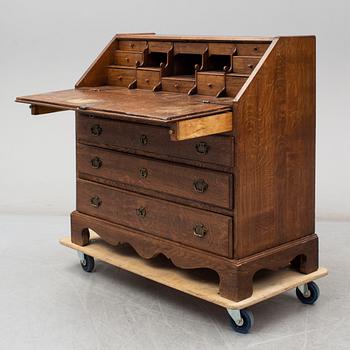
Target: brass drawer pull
x,y
200,186
199,230
95,201
202,148
96,130
141,212
143,172
96,162
143,139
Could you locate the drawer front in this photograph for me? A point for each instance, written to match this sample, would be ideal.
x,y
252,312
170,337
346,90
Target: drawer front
x,y
132,45
210,85
193,227
177,85
191,48
154,141
128,58
121,77
244,64
159,46
222,48
197,184
147,79
234,84
251,49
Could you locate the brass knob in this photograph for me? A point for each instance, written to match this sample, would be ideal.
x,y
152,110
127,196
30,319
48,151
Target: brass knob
x,y
96,162
199,230
143,172
147,81
250,66
132,45
96,130
202,148
143,139
210,85
141,212
256,49
176,86
200,186
120,78
95,201
127,59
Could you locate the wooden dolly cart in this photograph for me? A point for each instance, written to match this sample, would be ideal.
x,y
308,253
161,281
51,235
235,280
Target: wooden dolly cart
x,y
204,287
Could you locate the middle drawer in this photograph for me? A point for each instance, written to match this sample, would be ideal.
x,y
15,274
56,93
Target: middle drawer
x,y
202,185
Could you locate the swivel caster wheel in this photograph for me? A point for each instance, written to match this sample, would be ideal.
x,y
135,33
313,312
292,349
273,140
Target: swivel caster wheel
x,y
241,320
308,293
87,262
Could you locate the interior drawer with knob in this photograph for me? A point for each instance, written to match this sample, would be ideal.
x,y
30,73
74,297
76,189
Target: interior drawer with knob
x,y
132,45
193,227
177,84
244,64
211,151
121,76
128,58
197,184
147,78
211,84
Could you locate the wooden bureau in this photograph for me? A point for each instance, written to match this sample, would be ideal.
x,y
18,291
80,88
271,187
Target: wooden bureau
x,y
198,148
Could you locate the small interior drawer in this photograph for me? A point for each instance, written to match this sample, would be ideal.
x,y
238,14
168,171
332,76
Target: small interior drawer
x,y
159,46
128,58
244,64
254,49
233,84
192,48
210,84
121,76
147,78
221,48
177,84
132,45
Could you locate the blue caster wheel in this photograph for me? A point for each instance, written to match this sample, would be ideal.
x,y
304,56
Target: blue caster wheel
x,y
241,320
308,295
87,262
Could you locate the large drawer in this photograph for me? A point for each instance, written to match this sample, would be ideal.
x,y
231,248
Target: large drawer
x,y
193,227
209,151
202,185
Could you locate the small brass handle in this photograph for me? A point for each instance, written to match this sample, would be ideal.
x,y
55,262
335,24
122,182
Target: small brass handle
x,y
96,130
141,212
143,139
200,230
143,172
202,148
200,186
95,201
96,162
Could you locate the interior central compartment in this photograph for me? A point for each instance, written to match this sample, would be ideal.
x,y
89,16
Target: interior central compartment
x,y
184,64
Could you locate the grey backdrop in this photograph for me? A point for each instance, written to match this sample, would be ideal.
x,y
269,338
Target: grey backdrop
x,y
47,45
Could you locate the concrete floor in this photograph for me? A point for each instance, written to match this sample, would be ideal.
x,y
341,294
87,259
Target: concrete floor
x,y
48,302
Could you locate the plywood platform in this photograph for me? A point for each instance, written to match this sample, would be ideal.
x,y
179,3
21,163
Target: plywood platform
x,y
202,284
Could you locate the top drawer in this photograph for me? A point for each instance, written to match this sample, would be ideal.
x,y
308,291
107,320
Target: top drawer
x,y
210,151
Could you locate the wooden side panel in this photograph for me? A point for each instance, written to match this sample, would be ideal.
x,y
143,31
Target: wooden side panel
x,y
97,73
275,150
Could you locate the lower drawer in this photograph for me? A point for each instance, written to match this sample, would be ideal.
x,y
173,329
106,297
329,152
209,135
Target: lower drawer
x,y
201,185
193,227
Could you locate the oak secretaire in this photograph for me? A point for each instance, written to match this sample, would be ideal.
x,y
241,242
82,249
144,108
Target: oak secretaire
x,y
198,148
